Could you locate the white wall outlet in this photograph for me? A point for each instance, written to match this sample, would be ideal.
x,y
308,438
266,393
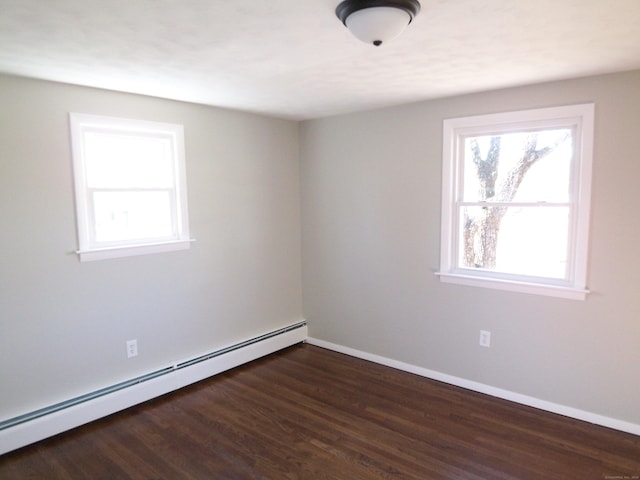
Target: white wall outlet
x,y
132,348
485,338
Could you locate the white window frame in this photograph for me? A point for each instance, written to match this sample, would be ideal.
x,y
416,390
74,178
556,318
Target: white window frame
x,y
580,118
90,249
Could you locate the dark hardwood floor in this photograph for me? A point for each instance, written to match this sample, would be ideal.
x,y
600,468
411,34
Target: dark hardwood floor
x,y
310,413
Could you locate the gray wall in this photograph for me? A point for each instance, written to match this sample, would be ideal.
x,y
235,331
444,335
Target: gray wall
x,y
371,232
370,190
63,324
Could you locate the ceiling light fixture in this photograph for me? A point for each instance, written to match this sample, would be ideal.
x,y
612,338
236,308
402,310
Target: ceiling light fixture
x,y
377,21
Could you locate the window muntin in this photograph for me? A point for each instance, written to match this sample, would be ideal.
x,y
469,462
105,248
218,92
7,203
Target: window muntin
x,y
130,186
516,190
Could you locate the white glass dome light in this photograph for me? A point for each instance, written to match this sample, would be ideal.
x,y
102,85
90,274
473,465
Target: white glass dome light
x,y
377,21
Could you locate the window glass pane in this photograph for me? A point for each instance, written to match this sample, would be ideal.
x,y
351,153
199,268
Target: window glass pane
x,y
531,241
518,167
126,161
121,216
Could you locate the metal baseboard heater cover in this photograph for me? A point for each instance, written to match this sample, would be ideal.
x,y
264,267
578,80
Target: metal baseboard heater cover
x,y
21,420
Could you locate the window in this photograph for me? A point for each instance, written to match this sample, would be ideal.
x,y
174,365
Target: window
x,y
130,186
516,200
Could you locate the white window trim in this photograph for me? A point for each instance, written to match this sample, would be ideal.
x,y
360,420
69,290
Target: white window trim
x,y
90,251
132,250
580,117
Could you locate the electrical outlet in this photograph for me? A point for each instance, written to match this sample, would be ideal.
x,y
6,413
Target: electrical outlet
x,y
132,348
485,338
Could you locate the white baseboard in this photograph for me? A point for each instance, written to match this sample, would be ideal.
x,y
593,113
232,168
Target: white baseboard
x,y
487,389
59,421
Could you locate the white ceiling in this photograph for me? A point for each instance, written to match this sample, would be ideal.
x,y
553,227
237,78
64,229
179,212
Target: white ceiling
x,y
294,59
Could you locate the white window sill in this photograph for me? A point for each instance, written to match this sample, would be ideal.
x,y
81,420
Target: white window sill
x,y
132,250
571,293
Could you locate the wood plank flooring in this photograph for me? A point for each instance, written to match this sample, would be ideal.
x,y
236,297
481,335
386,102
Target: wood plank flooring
x,y
308,413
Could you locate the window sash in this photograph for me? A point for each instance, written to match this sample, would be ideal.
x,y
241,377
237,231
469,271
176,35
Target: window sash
x,y
558,210
461,191
158,172
173,217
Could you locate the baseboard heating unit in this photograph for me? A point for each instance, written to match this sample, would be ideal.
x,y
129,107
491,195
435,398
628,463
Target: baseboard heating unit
x,y
33,426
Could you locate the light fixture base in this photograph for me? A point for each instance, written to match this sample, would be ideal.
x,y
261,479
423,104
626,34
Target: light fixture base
x,y
347,7
375,21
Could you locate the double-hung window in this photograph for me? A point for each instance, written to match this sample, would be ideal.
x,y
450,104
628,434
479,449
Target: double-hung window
x,y
516,200
130,186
